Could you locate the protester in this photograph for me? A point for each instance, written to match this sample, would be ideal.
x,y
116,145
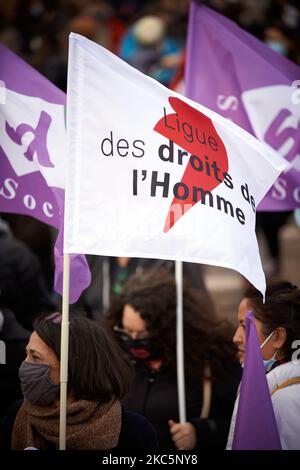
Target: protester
x,y
278,327
147,47
99,376
144,318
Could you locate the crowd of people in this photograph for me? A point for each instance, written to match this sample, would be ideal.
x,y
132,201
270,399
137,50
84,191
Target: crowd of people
x,y
149,34
122,378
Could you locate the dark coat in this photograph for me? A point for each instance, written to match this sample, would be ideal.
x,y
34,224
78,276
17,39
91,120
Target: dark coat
x,y
154,395
136,432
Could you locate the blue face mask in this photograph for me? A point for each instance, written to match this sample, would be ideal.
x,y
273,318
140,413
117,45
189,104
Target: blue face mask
x,y
297,216
268,363
278,47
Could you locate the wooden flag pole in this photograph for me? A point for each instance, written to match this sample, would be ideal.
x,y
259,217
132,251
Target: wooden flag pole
x,y
64,354
180,343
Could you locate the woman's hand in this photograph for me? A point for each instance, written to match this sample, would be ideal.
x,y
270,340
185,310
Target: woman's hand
x,y
183,435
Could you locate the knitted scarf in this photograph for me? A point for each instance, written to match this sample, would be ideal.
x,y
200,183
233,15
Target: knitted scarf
x,y
90,425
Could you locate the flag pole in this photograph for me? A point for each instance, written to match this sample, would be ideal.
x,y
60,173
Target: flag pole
x,y
179,344
64,353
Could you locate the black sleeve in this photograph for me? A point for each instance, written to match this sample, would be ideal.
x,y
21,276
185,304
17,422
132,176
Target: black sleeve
x,y
7,424
137,433
211,433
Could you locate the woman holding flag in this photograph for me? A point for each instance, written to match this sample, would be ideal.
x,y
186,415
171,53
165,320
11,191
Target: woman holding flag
x,y
99,376
144,319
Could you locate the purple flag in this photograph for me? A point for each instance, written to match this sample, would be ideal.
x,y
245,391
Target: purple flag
x,y
241,78
32,156
255,426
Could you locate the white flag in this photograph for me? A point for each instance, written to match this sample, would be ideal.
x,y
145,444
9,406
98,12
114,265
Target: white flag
x,y
152,174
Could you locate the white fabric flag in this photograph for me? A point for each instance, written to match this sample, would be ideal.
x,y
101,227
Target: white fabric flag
x,y
153,174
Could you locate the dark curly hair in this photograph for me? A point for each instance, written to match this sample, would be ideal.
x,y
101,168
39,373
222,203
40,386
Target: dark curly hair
x,y
206,339
281,309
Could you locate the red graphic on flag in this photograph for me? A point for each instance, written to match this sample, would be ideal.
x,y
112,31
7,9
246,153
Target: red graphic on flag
x,y
194,132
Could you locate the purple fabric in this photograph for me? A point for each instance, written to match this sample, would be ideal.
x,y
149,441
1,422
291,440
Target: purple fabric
x,y
29,193
22,78
33,184
222,63
255,427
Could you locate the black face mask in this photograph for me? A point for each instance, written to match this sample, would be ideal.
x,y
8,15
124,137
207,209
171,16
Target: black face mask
x,y
36,384
141,349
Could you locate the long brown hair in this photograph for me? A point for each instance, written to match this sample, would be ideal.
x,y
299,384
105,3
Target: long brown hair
x,y
206,339
97,368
